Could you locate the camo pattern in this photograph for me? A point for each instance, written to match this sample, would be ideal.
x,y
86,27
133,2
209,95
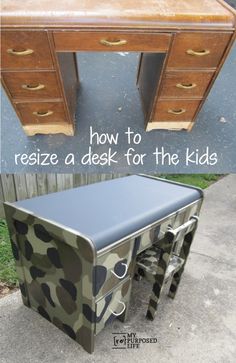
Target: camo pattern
x,y
59,277
159,278
62,278
113,305
148,261
114,265
184,252
157,265
157,232
55,274
147,265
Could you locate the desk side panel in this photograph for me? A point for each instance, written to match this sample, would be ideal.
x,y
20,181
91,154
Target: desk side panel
x,y
55,273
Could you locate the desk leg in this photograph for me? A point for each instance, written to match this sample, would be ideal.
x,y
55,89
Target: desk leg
x,y
184,255
159,278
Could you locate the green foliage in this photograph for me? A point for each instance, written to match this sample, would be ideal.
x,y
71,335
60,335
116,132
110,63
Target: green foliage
x,y
198,180
7,265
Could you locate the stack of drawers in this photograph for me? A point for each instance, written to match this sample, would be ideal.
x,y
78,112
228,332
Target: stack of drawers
x,y
33,85
113,282
191,66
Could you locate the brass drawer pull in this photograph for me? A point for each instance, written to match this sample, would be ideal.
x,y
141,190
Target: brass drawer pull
x,y
186,86
200,53
114,43
33,88
177,112
42,113
23,52
118,314
121,277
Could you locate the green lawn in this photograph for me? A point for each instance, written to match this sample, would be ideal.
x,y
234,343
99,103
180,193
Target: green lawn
x,y
7,268
198,180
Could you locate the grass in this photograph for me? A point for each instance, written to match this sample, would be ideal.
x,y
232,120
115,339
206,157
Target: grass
x,y
198,180
7,267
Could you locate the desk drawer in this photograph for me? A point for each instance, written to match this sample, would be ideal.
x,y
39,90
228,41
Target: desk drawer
x,y
157,233
113,267
175,110
112,305
41,112
32,85
185,84
25,50
108,41
198,50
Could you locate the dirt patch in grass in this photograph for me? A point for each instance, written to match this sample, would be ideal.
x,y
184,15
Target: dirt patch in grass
x,y
5,290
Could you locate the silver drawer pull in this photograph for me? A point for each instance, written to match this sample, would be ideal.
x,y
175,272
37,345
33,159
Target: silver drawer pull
x,y
192,220
118,314
126,268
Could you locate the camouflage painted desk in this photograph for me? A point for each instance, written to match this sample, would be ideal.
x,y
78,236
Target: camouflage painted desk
x,y
76,250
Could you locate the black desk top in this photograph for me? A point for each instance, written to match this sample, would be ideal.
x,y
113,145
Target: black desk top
x,y
108,211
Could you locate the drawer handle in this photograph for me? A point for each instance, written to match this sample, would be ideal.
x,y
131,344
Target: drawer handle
x,y
200,53
23,52
114,43
121,277
118,314
192,221
42,113
186,86
177,112
33,88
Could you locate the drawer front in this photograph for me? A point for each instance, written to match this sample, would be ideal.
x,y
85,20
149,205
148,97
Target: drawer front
x,y
185,84
113,267
41,113
157,233
112,305
104,41
175,110
32,85
198,50
25,50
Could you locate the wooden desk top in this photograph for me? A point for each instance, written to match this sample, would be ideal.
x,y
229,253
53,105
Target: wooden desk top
x,y
129,14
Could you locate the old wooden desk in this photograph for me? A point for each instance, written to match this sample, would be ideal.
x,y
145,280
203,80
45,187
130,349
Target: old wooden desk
x,y
76,250
183,45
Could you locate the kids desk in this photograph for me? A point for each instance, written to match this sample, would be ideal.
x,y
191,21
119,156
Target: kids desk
x,y
76,250
183,45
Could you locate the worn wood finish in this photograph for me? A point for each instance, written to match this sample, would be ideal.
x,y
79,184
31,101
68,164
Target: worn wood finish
x,y
56,128
169,125
175,110
193,36
20,41
110,41
185,84
32,85
198,43
136,14
41,113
